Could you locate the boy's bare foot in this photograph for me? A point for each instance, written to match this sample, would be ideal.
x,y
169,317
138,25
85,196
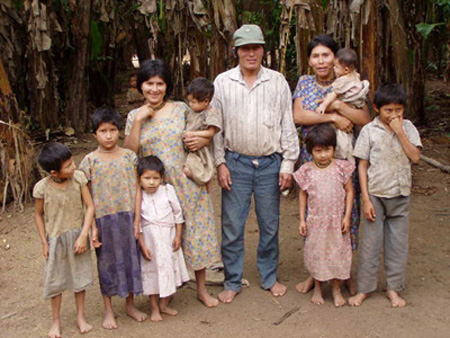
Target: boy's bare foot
x,y
55,331
278,289
357,299
155,316
136,314
109,321
305,286
317,297
396,300
339,300
351,286
168,311
83,326
208,300
227,296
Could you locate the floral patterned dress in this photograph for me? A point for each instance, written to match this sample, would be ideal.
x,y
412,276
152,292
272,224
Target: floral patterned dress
x,y
162,137
311,93
327,251
113,186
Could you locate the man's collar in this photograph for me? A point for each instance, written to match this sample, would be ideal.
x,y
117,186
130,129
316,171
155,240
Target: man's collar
x,y
236,75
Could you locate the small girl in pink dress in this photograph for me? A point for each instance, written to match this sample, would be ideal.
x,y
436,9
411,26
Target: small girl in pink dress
x,y
326,188
160,228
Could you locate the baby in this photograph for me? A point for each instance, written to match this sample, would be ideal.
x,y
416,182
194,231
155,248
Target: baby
x,y
350,89
202,121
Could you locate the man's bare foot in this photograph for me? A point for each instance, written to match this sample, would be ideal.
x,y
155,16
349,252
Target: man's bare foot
x,y
83,326
278,289
155,316
109,321
396,300
351,286
339,300
208,300
227,296
357,299
317,297
136,314
55,331
305,286
168,311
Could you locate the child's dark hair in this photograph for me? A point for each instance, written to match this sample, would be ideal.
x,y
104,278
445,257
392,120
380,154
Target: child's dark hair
x,y
150,163
322,40
322,135
347,57
105,115
150,68
389,93
201,89
53,155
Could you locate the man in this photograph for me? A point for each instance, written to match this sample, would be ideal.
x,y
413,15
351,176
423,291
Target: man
x,y
255,153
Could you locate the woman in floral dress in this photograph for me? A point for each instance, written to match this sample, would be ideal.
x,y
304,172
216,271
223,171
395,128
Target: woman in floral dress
x,y
157,128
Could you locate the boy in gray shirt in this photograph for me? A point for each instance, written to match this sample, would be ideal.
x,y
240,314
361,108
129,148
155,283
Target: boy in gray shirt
x,y
386,147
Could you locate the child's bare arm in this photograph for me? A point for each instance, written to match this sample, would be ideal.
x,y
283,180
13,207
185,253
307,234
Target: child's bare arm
x,y
137,212
177,240
302,206
369,210
39,220
145,251
326,102
80,245
410,149
349,195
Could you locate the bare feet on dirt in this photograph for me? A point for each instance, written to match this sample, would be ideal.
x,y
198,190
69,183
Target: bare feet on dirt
x,y
305,286
208,300
357,299
395,299
317,297
155,316
55,331
338,299
83,326
168,311
109,321
227,296
136,314
278,289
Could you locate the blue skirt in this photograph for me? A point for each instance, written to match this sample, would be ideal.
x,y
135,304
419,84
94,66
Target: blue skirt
x,y
118,258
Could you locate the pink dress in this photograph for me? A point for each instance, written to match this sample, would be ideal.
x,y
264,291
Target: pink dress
x,y
327,252
167,270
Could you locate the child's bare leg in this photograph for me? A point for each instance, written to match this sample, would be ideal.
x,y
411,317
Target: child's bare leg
x,y
209,186
81,320
55,330
132,311
155,315
305,286
396,300
109,321
337,295
187,172
351,286
317,297
202,292
357,299
164,307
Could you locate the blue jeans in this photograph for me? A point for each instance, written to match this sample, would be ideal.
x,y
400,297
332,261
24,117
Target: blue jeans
x,y
258,176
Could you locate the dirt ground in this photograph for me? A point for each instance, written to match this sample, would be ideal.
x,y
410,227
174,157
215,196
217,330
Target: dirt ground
x,y
24,313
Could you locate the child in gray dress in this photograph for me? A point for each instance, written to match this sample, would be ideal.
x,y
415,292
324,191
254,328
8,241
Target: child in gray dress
x,y
202,121
63,229
349,89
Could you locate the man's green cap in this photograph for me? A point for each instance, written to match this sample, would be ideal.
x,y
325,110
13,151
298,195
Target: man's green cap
x,y
248,35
